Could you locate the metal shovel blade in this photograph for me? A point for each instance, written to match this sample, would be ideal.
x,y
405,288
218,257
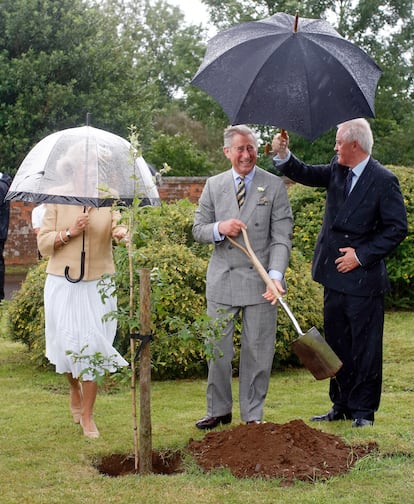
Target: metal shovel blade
x,y
316,355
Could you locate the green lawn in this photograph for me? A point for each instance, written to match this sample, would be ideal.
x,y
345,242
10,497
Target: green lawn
x,y
44,459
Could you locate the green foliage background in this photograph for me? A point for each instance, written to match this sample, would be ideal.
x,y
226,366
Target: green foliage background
x,y
163,242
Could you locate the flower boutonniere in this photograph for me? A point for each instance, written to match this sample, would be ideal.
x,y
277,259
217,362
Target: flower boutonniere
x,y
262,200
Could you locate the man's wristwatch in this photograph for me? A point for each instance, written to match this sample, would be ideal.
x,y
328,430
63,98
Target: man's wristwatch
x,y
68,236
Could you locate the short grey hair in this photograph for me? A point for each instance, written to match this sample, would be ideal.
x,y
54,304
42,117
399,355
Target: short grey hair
x,y
239,129
358,130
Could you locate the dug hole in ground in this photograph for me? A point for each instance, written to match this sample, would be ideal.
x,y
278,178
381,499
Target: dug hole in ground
x,y
291,451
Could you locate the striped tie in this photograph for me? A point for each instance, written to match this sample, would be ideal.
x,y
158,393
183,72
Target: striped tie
x,y
241,192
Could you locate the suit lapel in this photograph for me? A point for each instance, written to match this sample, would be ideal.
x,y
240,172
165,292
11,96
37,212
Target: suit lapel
x,y
254,194
358,193
257,190
229,193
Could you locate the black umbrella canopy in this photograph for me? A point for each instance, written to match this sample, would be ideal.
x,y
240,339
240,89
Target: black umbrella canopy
x,y
294,73
83,166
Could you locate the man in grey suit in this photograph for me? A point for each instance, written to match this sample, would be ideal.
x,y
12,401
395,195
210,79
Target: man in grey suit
x,y
234,288
365,219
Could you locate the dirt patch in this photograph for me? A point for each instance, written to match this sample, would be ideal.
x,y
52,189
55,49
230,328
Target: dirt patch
x,y
163,462
283,451
289,451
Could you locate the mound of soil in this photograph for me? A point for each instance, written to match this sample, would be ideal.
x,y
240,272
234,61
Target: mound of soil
x,y
289,451
284,451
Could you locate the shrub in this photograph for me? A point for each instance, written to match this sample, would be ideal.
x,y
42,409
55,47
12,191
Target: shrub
x,y
400,264
164,244
25,314
308,205
182,155
177,302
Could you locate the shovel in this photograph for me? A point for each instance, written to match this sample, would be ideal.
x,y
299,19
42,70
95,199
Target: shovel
x,y
311,348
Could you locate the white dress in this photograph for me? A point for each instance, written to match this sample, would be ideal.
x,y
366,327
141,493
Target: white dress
x,y
75,332
37,215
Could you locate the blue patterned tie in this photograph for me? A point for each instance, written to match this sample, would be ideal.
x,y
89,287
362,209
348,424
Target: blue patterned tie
x,y
241,192
348,183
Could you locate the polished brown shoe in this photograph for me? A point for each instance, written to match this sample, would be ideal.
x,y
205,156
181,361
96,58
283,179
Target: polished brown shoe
x,y
211,422
332,416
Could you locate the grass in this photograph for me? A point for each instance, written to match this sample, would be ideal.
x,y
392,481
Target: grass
x,y
44,459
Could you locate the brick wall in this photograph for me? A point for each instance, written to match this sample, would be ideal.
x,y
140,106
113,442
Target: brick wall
x,y
176,188
21,246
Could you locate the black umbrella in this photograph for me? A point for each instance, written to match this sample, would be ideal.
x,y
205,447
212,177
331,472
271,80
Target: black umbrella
x,y
294,73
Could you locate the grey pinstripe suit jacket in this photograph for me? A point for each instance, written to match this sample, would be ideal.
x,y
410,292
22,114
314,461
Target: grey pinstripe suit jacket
x,y
231,277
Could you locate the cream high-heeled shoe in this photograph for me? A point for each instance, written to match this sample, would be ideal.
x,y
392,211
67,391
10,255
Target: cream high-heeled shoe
x,y
93,433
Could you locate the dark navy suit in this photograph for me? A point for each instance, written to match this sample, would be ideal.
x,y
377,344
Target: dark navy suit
x,y
373,221
5,181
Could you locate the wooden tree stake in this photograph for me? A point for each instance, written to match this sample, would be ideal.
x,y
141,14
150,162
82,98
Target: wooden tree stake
x,y
145,451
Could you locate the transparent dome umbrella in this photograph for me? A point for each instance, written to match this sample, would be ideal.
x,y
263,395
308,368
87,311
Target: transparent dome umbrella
x,y
83,166
295,73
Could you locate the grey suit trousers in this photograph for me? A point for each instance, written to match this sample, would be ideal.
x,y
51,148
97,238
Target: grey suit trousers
x,y
256,358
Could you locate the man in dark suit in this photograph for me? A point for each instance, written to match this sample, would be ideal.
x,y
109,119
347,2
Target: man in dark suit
x,y
364,220
244,196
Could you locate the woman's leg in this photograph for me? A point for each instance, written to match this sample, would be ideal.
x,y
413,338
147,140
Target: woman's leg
x,y
90,390
75,397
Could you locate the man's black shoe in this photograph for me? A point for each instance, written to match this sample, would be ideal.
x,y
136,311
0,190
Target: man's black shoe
x,y
332,416
362,422
211,422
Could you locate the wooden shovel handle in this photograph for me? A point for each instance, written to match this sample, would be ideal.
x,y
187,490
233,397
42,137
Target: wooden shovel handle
x,y
256,263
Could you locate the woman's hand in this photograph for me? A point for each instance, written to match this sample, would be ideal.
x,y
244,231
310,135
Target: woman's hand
x,y
120,233
80,225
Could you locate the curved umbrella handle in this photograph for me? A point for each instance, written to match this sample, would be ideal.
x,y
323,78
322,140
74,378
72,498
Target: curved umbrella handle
x,y
82,270
82,261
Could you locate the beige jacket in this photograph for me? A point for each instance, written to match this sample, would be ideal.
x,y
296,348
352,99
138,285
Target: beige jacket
x,y
97,246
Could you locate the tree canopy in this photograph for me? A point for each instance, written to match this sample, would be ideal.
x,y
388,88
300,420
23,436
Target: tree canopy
x,y
121,61
130,62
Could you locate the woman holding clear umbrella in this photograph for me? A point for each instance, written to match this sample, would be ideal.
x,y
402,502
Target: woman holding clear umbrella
x,y
78,341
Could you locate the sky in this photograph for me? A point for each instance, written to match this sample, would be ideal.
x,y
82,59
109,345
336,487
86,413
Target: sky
x,y
195,12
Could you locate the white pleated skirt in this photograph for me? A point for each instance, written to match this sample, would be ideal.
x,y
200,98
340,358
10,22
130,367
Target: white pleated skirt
x,y
75,332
